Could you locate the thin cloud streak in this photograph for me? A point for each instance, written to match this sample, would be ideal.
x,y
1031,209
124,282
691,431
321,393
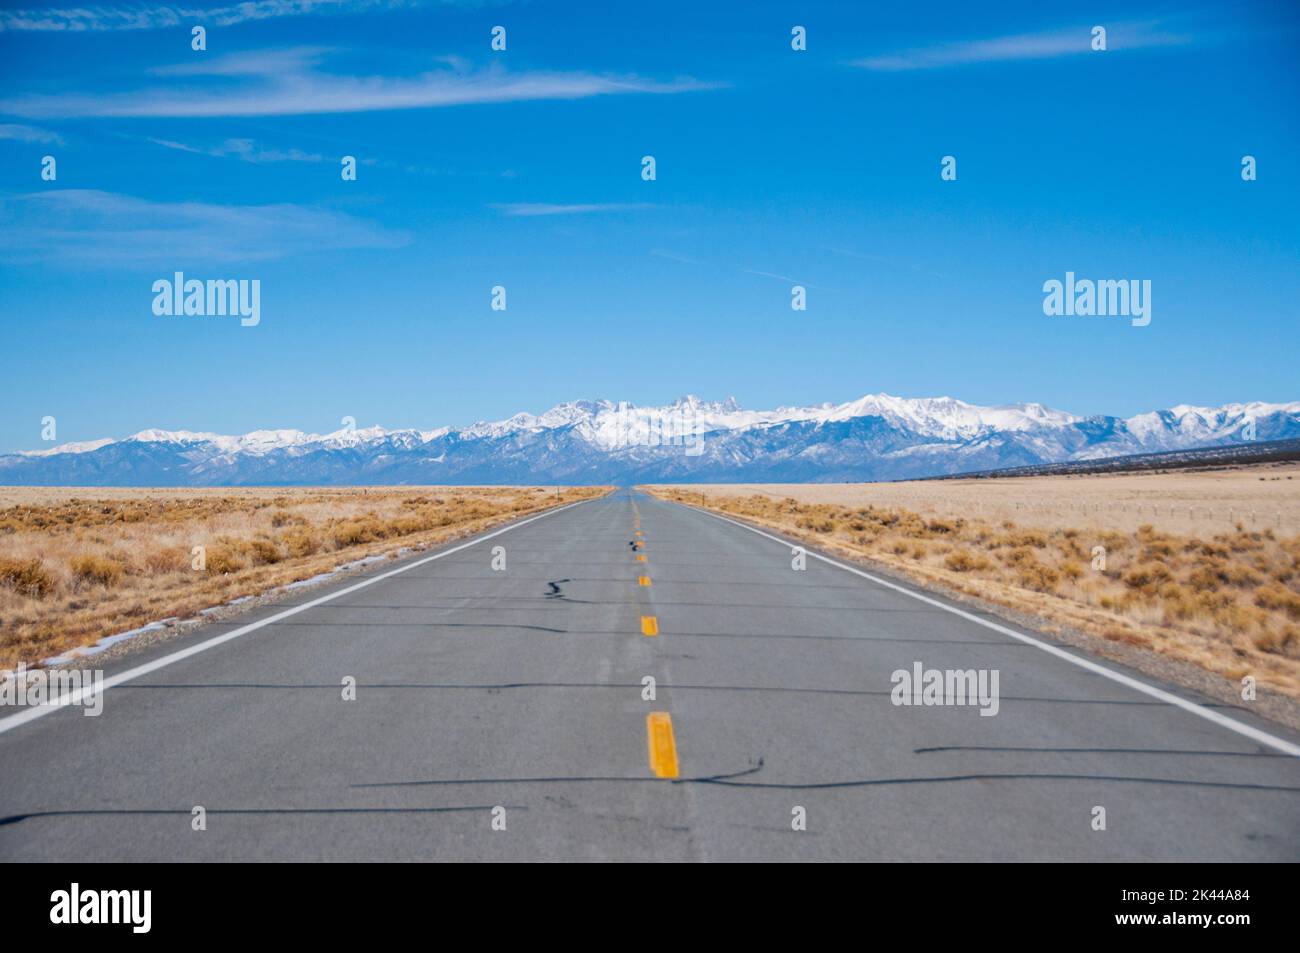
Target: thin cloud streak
x,y
673,256
532,209
1023,46
784,278
881,259
245,150
86,226
100,19
21,133
286,82
768,274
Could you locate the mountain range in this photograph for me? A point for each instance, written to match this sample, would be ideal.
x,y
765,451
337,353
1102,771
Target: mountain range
x,y
878,437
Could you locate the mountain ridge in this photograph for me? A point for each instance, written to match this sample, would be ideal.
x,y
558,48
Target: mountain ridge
x,y
877,436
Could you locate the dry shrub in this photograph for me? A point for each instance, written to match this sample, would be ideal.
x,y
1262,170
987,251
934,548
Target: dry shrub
x,y
224,558
354,533
1147,574
1018,556
300,543
1284,641
1278,598
1207,578
1023,538
1179,605
1071,570
167,559
961,560
42,634
1243,577
29,577
95,569
1036,576
264,552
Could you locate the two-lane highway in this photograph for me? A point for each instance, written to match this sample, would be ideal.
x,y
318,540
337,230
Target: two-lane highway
x,y
508,712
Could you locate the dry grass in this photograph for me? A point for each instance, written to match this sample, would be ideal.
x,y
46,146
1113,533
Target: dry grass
x,y
77,565
1189,503
1228,601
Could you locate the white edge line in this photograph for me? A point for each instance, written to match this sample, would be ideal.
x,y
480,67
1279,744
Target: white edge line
x,y
75,698
1209,714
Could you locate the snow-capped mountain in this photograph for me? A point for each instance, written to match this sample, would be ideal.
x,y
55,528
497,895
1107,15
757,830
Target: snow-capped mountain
x,y
878,437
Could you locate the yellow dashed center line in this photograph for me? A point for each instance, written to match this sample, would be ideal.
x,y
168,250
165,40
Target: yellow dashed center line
x,y
663,749
658,724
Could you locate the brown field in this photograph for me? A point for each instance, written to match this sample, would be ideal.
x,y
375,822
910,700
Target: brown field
x,y
1186,503
1224,596
80,564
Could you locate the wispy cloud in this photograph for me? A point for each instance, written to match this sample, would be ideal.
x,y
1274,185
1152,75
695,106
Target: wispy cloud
x,y
768,274
246,150
107,228
158,16
785,279
530,209
250,150
1025,46
288,82
881,259
673,256
28,133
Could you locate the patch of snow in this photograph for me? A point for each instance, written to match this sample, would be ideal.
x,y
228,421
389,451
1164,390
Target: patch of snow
x,y
82,446
107,642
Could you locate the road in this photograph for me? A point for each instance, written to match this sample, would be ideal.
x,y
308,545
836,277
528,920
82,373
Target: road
x,y
515,696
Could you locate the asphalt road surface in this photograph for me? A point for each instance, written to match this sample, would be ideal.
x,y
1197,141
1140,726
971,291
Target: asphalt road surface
x,y
514,698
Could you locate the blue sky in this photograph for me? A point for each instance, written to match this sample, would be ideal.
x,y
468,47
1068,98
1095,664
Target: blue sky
x,y
522,168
